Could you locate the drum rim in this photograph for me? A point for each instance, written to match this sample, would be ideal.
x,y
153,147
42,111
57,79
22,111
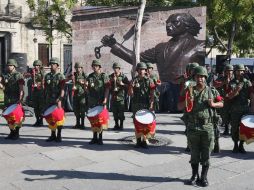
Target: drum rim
x,y
154,117
248,122
93,108
16,105
49,108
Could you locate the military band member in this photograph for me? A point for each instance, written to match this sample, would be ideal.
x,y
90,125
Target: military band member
x,y
37,91
200,124
80,96
222,85
142,92
118,85
54,93
239,94
12,84
98,90
157,82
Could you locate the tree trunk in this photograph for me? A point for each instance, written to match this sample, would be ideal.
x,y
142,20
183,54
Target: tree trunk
x,y
231,39
136,42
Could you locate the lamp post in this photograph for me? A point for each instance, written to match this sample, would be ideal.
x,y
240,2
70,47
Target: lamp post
x,y
51,34
211,42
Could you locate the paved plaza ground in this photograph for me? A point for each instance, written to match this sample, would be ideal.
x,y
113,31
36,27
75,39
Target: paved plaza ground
x,y
33,164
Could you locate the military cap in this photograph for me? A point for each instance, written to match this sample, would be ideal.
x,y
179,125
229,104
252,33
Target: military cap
x,y
149,65
96,62
193,65
240,67
116,65
199,70
141,65
78,65
12,62
228,67
54,60
37,63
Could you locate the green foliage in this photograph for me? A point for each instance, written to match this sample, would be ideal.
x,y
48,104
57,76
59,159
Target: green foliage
x,y
58,10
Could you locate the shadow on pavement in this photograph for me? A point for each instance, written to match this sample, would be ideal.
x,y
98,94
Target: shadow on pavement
x,y
72,174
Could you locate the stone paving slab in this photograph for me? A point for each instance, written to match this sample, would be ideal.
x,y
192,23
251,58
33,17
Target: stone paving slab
x,y
32,163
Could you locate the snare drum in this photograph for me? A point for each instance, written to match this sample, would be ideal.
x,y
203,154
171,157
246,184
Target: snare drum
x,y
54,116
246,131
98,117
14,115
145,123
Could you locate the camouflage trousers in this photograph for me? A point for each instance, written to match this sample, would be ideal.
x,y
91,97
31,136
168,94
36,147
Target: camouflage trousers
x,y
38,103
79,106
118,108
235,120
225,113
201,142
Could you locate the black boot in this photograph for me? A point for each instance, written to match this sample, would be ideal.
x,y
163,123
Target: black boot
x,y
203,180
216,148
40,121
94,139
82,126
241,148
187,149
16,134
77,123
235,149
10,135
226,130
59,136
36,123
144,144
195,176
52,136
121,125
116,127
100,142
138,144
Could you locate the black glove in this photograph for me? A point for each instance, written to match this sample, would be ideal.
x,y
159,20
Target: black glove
x,y
108,41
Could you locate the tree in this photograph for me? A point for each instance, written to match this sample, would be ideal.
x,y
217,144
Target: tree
x,y
57,10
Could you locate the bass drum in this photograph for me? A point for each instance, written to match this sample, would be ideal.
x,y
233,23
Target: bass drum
x,y
246,131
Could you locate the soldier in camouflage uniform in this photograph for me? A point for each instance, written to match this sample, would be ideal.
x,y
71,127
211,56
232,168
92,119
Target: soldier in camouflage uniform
x,y
37,91
239,94
54,93
98,90
12,84
222,85
157,83
80,96
142,92
188,78
200,125
118,85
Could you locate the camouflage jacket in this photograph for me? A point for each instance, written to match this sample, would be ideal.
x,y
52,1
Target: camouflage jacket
x,y
97,85
54,83
79,84
118,91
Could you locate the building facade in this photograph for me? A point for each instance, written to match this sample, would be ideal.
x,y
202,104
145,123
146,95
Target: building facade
x,y
21,40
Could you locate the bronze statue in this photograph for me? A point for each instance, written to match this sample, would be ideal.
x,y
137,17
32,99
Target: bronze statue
x,y
171,57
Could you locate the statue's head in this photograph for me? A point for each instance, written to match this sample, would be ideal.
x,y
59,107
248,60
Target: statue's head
x,y
180,23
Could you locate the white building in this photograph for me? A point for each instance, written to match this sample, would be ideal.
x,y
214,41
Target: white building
x,y
20,39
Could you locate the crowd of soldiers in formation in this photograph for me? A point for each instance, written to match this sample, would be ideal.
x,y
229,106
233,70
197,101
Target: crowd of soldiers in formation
x,y
229,96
